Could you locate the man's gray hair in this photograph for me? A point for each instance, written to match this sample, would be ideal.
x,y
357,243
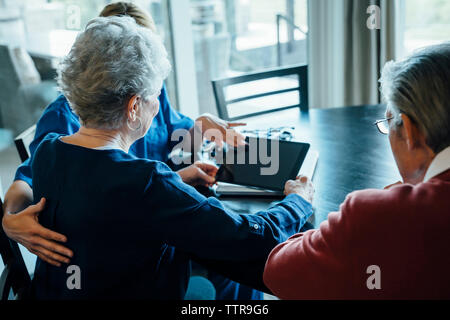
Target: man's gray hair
x,y
112,60
419,87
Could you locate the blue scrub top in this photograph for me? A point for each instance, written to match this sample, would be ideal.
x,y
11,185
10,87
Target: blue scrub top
x,y
58,117
134,233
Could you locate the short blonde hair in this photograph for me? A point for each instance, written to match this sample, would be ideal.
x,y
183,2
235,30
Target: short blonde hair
x,y
129,9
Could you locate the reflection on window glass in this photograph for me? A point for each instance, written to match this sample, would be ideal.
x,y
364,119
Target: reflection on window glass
x,y
271,102
427,22
48,28
256,87
232,37
77,14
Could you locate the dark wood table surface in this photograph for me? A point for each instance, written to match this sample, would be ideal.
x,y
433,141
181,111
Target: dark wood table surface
x,y
353,155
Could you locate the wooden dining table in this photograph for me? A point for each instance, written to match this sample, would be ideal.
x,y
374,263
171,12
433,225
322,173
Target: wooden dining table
x,y
353,155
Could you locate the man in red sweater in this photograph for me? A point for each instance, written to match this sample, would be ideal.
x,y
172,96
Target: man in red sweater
x,y
392,243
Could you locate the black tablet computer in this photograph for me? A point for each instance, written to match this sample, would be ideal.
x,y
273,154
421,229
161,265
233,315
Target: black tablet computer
x,y
263,163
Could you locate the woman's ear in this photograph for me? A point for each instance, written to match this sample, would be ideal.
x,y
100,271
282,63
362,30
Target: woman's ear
x,y
412,134
133,107
156,108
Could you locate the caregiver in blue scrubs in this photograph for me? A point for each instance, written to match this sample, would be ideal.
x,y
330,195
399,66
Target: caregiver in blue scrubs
x,y
133,224
156,145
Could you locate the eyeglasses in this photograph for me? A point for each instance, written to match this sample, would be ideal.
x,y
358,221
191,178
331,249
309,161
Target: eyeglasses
x,y
383,125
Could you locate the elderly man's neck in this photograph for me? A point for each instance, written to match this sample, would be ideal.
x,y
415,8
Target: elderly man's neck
x,y
418,165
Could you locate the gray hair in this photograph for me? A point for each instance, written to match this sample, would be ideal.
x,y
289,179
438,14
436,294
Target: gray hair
x,y
418,87
112,60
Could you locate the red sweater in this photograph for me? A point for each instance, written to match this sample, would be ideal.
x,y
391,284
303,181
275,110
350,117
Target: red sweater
x,y
405,231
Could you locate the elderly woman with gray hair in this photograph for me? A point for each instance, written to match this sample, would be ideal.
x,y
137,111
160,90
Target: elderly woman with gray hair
x,y
157,144
392,243
133,224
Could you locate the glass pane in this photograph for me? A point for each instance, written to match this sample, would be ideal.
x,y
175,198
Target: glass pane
x,y
260,86
427,22
264,103
48,29
232,37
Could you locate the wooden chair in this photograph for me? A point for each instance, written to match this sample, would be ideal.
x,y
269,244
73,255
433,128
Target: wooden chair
x,y
262,92
23,142
14,280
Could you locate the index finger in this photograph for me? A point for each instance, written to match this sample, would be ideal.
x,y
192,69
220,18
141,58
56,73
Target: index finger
x,y
236,124
393,185
57,250
49,234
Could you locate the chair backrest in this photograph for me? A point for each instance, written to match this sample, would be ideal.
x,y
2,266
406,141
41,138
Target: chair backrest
x,y
23,142
22,95
15,275
258,93
16,68
9,79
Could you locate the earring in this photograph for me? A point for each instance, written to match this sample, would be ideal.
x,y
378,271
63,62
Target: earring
x,y
134,129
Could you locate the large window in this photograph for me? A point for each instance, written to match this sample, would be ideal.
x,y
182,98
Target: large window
x,y
89,9
48,28
427,22
238,36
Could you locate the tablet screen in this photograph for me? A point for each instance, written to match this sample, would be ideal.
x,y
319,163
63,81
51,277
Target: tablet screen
x,y
264,163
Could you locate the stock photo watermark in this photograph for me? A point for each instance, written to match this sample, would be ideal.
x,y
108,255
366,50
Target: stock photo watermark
x,y
73,17
74,278
374,280
374,20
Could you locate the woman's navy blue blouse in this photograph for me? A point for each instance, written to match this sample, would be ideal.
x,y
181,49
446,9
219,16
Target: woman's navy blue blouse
x,y
58,117
134,225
